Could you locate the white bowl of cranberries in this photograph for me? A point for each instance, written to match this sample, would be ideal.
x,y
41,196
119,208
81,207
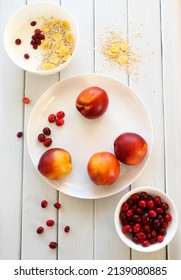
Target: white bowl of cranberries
x,y
146,219
41,38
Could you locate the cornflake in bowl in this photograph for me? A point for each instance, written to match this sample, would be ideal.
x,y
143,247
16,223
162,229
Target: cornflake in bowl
x,y
146,219
41,38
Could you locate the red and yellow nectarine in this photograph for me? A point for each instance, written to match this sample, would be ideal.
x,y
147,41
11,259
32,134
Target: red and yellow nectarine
x,y
103,168
55,164
92,102
130,148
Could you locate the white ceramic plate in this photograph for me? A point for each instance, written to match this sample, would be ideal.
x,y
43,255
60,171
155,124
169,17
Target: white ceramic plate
x,y
83,137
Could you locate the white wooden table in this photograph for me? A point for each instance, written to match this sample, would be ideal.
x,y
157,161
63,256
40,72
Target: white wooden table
x,y
92,234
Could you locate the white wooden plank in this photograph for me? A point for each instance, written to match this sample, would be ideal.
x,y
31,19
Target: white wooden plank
x,y
35,189
11,120
111,16
171,24
149,87
78,213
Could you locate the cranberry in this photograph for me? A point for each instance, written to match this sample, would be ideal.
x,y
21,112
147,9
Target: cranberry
x,y
142,204
141,235
129,213
165,224
160,218
157,200
153,233
57,205
50,223
156,224
35,46
135,240
136,228
40,230
146,228
168,217
51,118
41,36
125,222
26,55
152,213
33,37
26,100
122,216
37,31
41,137
134,208
130,202
32,42
126,229
144,195
160,238
163,231
44,203
18,41
19,134
135,197
139,211
136,218
159,210
46,131
125,206
153,240
47,142
53,245
150,204
67,229
145,218
38,42
146,243
60,114
59,122
165,206
33,23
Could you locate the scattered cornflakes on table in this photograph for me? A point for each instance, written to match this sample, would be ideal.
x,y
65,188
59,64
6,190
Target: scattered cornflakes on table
x,y
118,50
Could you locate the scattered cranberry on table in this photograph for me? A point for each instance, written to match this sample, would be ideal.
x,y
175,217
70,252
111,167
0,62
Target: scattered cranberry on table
x,y
50,223
67,229
53,245
26,100
144,217
57,205
44,203
19,134
40,230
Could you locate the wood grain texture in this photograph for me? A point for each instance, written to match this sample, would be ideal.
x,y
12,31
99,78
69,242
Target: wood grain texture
x,y
144,32
171,36
11,118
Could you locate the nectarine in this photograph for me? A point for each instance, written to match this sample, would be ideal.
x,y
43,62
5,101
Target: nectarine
x,y
130,148
55,163
92,102
103,168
